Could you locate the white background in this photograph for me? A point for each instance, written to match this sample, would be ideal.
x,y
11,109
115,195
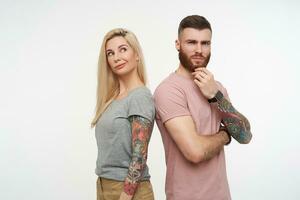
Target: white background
x,y
49,52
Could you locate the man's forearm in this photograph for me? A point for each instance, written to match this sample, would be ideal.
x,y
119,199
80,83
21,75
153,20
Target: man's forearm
x,y
237,124
213,144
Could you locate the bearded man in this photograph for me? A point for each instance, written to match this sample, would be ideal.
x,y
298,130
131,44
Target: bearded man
x,y
196,119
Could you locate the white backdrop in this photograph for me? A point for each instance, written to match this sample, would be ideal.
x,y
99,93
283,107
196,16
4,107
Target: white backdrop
x,y
49,51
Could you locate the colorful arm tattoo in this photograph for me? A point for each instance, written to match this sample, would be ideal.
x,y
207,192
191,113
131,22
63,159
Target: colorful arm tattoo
x,y
236,124
141,133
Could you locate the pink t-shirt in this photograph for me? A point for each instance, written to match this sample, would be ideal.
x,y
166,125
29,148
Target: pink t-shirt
x,y
179,96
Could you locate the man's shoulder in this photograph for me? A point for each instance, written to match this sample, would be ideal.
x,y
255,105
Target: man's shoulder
x,y
169,84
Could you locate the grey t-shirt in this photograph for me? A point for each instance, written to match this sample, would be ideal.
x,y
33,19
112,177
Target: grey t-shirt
x,y
113,133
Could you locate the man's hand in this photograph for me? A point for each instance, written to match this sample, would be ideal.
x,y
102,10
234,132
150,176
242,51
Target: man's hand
x,y
204,79
125,196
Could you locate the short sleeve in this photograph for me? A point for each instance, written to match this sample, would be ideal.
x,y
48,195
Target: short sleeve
x,y
170,102
141,104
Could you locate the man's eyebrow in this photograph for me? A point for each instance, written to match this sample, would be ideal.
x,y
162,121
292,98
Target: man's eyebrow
x,y
191,40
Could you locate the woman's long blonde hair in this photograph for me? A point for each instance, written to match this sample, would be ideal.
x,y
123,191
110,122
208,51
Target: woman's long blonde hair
x,y
108,86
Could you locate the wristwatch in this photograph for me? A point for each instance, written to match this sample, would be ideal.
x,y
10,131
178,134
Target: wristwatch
x,y
217,97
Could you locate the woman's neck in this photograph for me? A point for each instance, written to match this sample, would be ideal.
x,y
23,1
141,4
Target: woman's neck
x,y
128,83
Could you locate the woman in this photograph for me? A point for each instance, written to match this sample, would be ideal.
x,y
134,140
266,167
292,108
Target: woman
x,y
124,119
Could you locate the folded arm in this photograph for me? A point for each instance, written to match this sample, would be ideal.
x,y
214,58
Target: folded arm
x,y
236,123
195,148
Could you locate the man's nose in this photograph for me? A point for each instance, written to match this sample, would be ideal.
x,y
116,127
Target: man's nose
x,y
198,48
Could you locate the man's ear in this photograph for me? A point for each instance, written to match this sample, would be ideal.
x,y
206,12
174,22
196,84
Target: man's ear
x,y
177,45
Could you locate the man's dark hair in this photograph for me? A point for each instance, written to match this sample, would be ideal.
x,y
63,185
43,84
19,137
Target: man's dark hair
x,y
194,21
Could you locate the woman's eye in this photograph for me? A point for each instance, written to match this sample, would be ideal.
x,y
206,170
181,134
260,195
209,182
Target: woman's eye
x,y
109,53
123,49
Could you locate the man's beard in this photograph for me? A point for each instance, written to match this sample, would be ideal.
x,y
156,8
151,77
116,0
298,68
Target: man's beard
x,y
187,63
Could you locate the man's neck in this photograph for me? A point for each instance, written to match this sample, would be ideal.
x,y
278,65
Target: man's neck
x,y
184,72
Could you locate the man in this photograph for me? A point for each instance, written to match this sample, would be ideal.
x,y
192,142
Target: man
x,y
196,120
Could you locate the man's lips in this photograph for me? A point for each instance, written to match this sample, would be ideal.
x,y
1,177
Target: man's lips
x,y
198,57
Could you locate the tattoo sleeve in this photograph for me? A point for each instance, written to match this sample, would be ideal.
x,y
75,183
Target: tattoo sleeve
x,y
141,133
236,124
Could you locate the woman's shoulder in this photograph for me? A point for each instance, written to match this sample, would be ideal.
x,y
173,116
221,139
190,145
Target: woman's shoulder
x,y
140,92
140,102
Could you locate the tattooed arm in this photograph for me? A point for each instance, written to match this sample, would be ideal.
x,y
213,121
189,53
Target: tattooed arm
x,y
141,133
237,124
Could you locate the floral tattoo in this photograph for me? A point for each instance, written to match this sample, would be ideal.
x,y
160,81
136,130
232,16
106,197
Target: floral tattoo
x,y
141,133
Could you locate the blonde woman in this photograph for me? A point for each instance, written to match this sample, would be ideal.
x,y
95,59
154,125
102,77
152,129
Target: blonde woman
x,y
123,121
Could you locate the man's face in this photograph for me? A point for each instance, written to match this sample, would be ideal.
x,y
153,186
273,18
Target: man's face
x,y
194,48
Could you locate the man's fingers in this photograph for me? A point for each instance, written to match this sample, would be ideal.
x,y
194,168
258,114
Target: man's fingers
x,y
202,75
199,77
206,71
198,83
199,74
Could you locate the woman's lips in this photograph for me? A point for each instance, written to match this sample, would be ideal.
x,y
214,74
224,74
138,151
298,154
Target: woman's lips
x,y
120,66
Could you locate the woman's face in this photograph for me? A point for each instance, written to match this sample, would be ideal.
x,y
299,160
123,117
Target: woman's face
x,y
120,56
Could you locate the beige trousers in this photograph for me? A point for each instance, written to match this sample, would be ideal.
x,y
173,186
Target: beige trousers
x,y
111,190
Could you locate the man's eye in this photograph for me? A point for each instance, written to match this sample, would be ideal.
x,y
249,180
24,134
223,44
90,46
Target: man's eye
x,y
191,42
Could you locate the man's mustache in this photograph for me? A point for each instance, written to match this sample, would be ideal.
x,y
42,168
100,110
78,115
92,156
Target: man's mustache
x,y
198,56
